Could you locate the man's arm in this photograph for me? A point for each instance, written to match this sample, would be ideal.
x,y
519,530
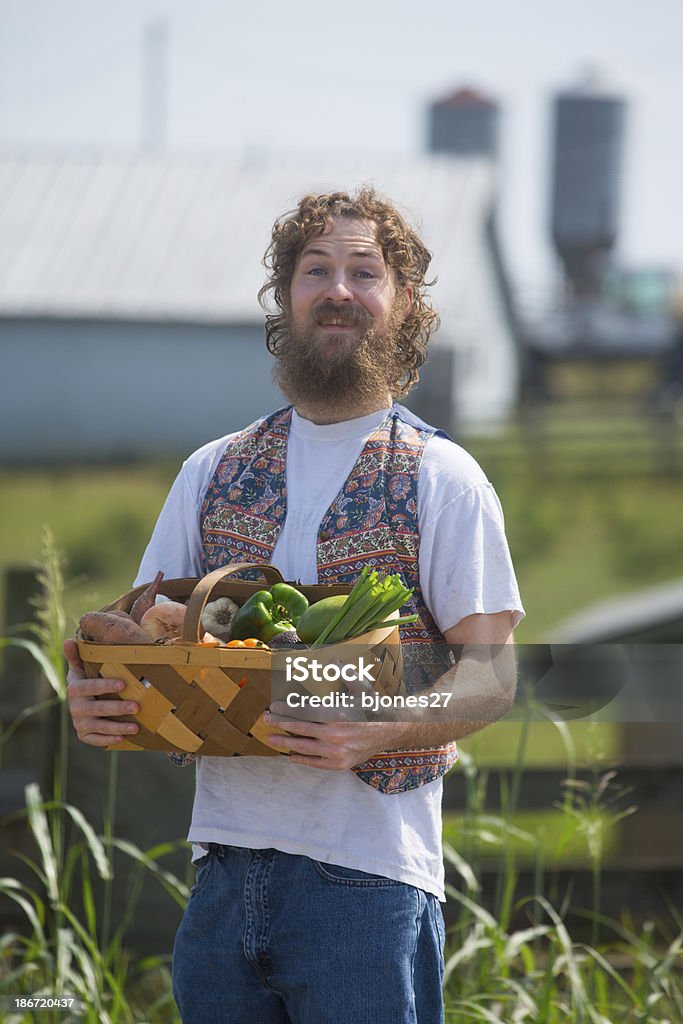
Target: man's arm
x,y
482,688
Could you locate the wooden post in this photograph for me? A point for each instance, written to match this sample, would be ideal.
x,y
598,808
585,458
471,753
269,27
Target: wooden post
x,y
25,756
22,685
20,680
657,744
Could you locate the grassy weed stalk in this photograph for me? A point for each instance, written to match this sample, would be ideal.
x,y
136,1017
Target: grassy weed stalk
x,y
59,948
539,973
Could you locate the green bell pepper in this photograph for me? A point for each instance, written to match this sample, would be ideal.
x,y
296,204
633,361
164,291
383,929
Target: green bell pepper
x,y
251,619
269,612
291,603
269,631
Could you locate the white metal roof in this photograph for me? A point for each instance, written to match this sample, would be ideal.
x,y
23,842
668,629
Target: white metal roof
x,y
182,237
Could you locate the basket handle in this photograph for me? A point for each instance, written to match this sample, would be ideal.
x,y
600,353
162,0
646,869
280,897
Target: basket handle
x,y
202,592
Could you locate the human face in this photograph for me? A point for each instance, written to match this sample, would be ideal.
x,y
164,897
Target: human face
x,y
344,313
342,287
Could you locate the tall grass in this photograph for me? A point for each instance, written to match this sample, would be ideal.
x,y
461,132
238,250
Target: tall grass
x,y
497,972
59,949
496,969
62,951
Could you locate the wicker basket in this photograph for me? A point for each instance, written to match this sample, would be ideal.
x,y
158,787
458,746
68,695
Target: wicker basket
x,y
193,698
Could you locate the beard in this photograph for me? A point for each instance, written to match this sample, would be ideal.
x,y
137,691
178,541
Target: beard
x,y
354,369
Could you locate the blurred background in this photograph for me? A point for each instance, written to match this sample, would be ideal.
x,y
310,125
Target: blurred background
x,y
145,150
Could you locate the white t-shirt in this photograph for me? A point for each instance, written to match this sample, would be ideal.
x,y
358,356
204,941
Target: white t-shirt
x,y
465,567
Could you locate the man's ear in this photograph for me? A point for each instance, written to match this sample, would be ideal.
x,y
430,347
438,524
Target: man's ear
x,y
405,300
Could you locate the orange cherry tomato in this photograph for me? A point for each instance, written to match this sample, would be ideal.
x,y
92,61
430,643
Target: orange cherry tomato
x,y
237,643
252,642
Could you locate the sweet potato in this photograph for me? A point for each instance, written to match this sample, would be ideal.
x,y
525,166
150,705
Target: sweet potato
x,y
146,599
111,628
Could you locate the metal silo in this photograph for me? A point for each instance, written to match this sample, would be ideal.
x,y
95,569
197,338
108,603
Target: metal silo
x,y
588,131
465,123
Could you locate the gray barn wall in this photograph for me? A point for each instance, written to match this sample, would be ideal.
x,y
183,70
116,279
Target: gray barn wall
x,y
92,389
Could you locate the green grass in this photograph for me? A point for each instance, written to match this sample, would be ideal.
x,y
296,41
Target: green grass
x,y
551,831
101,518
577,542
498,744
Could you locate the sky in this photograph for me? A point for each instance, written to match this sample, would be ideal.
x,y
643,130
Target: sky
x,y
272,76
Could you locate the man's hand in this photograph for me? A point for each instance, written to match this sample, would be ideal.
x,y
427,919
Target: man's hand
x,y
337,745
94,719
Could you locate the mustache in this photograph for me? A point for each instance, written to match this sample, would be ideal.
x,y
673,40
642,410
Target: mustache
x,y
348,313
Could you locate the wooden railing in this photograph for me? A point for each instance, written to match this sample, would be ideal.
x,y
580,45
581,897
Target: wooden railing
x,y
641,875
585,440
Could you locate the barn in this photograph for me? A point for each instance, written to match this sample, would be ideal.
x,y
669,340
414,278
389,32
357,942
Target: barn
x,y
129,323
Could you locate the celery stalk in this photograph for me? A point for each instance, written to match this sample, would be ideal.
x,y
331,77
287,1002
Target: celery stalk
x,y
355,613
384,609
368,606
403,621
361,586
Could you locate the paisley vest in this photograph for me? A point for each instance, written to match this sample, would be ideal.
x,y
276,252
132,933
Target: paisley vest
x,y
372,521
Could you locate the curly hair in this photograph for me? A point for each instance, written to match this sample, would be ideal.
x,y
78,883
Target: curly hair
x,y
402,249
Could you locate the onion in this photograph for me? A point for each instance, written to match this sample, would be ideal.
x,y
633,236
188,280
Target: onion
x,y
164,620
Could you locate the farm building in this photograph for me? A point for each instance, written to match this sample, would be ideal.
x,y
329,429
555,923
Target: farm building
x,y
129,323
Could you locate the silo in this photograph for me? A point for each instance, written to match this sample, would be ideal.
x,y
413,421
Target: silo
x,y
465,123
587,144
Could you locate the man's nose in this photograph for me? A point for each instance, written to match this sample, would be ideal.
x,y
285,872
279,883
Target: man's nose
x,y
338,289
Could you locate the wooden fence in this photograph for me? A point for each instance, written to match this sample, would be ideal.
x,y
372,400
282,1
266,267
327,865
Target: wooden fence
x,y
642,874
584,439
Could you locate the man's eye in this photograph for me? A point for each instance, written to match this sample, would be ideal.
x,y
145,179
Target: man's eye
x,y
316,271
365,274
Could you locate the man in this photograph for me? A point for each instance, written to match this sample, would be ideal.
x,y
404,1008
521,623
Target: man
x,y
319,875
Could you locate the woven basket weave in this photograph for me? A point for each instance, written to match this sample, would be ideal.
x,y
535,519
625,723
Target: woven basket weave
x,y
190,696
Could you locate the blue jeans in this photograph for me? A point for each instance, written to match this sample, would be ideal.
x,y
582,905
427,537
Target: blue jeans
x,y
272,938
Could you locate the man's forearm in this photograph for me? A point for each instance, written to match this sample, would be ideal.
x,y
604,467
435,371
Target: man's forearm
x,y
479,690
411,736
